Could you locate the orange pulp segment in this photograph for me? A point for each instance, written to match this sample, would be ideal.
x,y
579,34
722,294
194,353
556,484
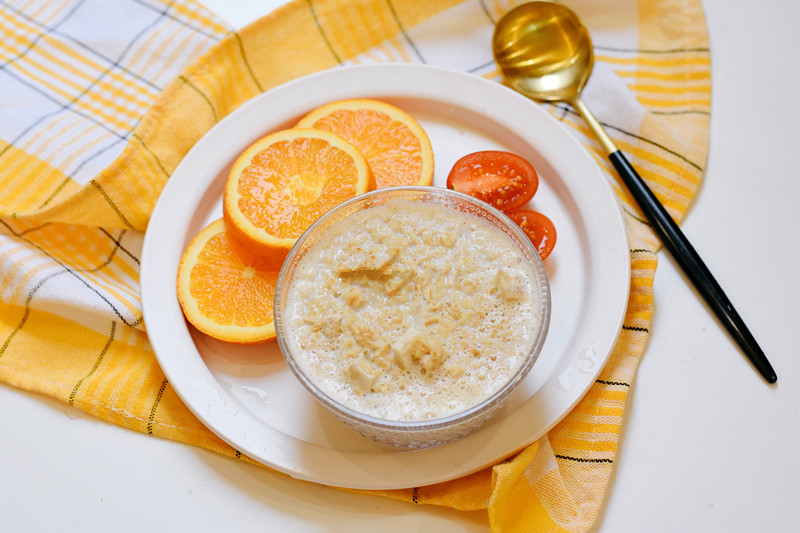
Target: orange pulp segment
x,y
225,291
285,181
396,146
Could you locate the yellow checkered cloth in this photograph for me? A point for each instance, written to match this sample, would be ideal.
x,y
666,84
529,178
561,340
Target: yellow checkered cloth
x,y
99,101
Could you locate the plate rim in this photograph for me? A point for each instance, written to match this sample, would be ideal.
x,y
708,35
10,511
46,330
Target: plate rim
x,y
197,387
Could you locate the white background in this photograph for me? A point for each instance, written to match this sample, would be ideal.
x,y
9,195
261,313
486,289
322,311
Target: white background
x,y
707,445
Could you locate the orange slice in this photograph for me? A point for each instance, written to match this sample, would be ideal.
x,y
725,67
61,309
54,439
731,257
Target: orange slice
x,y
285,181
397,148
225,291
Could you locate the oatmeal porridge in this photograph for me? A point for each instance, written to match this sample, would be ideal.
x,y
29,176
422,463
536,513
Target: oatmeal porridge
x,y
410,311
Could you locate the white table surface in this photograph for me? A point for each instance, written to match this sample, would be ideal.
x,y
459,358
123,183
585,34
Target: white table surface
x,y
707,445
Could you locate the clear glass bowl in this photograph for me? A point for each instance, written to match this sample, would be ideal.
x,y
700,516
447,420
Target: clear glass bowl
x,y
417,433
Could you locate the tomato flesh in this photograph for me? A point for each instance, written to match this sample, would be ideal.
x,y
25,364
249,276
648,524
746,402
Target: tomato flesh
x,y
501,179
539,228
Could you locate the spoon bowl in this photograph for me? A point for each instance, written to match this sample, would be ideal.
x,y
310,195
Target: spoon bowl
x,y
545,52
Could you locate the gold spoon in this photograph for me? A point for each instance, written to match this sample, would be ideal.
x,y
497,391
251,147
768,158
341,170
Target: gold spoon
x,y
545,52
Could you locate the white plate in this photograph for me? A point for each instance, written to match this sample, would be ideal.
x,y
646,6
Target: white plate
x,y
248,396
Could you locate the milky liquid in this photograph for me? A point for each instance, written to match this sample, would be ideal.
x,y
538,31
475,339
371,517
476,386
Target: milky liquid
x,y
411,311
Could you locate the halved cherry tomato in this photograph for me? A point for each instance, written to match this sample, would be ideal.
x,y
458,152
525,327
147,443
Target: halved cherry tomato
x,y
538,228
502,179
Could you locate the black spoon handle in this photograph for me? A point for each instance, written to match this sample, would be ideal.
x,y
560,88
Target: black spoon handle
x,y
688,259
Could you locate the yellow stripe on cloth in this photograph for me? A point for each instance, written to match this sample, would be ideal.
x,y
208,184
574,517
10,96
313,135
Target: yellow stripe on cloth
x,y
90,135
